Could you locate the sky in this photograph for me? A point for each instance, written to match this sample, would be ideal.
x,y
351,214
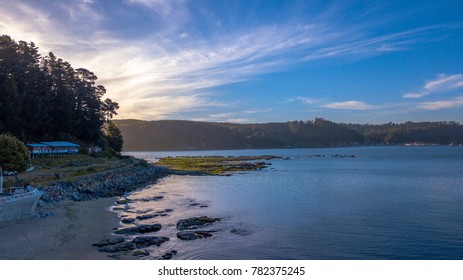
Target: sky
x,y
258,61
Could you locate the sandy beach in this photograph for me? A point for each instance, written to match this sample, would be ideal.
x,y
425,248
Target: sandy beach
x,y
67,235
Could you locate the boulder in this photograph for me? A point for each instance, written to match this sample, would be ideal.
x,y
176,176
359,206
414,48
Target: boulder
x,y
147,216
116,240
146,199
139,229
192,235
196,222
139,242
108,242
123,201
128,220
140,253
147,241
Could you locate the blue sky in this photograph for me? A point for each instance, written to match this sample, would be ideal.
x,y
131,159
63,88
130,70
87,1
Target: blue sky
x,y
259,61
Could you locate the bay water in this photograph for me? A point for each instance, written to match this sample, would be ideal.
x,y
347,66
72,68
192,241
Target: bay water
x,y
327,203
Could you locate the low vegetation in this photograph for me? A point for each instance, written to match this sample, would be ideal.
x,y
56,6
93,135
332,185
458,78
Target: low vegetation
x,y
13,153
68,168
215,165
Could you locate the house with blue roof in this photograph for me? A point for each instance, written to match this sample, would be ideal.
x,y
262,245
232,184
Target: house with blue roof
x,y
55,148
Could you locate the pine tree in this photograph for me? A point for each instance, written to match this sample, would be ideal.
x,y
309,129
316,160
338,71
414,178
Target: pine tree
x,y
114,136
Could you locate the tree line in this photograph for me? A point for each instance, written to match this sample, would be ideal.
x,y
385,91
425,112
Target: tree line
x,y
319,132
192,135
44,98
443,132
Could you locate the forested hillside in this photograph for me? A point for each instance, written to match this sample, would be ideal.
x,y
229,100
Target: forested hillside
x,y
443,133
45,98
191,135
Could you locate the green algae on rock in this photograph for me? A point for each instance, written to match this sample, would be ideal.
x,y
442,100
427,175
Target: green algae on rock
x,y
215,165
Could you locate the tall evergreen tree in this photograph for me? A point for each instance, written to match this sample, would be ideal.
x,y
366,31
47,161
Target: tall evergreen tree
x,y
114,136
46,98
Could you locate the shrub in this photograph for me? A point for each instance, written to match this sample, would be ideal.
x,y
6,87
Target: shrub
x,y
13,153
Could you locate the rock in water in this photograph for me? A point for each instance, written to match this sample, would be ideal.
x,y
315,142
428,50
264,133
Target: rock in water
x,y
146,241
116,240
128,220
192,235
139,242
123,201
140,253
108,242
146,216
196,222
139,229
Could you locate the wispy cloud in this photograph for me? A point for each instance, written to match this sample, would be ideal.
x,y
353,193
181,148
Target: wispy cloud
x,y
442,83
246,116
442,104
161,6
167,106
350,105
163,73
304,99
361,46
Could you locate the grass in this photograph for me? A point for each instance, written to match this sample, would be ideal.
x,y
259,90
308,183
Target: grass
x,y
215,165
67,168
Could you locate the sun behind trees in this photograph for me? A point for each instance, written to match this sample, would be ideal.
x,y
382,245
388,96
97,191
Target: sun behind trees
x,y
45,98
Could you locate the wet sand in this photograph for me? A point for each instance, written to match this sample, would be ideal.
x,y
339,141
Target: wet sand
x,y
67,235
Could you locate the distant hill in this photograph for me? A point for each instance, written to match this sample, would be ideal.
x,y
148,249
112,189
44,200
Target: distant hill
x,y
191,135
442,133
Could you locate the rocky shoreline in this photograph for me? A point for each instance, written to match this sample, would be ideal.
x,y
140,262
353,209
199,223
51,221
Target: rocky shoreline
x,y
134,238
106,184
129,241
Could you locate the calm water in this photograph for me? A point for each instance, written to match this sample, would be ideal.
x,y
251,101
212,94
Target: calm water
x,y
386,203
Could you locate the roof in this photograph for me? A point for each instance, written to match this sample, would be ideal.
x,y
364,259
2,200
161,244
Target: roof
x,y
60,144
36,145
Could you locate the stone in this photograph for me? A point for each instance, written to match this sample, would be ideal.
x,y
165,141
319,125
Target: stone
x,y
108,250
140,253
107,242
147,241
124,247
139,242
144,211
139,229
192,235
128,220
101,243
196,222
116,240
146,199
75,196
167,256
123,201
147,216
